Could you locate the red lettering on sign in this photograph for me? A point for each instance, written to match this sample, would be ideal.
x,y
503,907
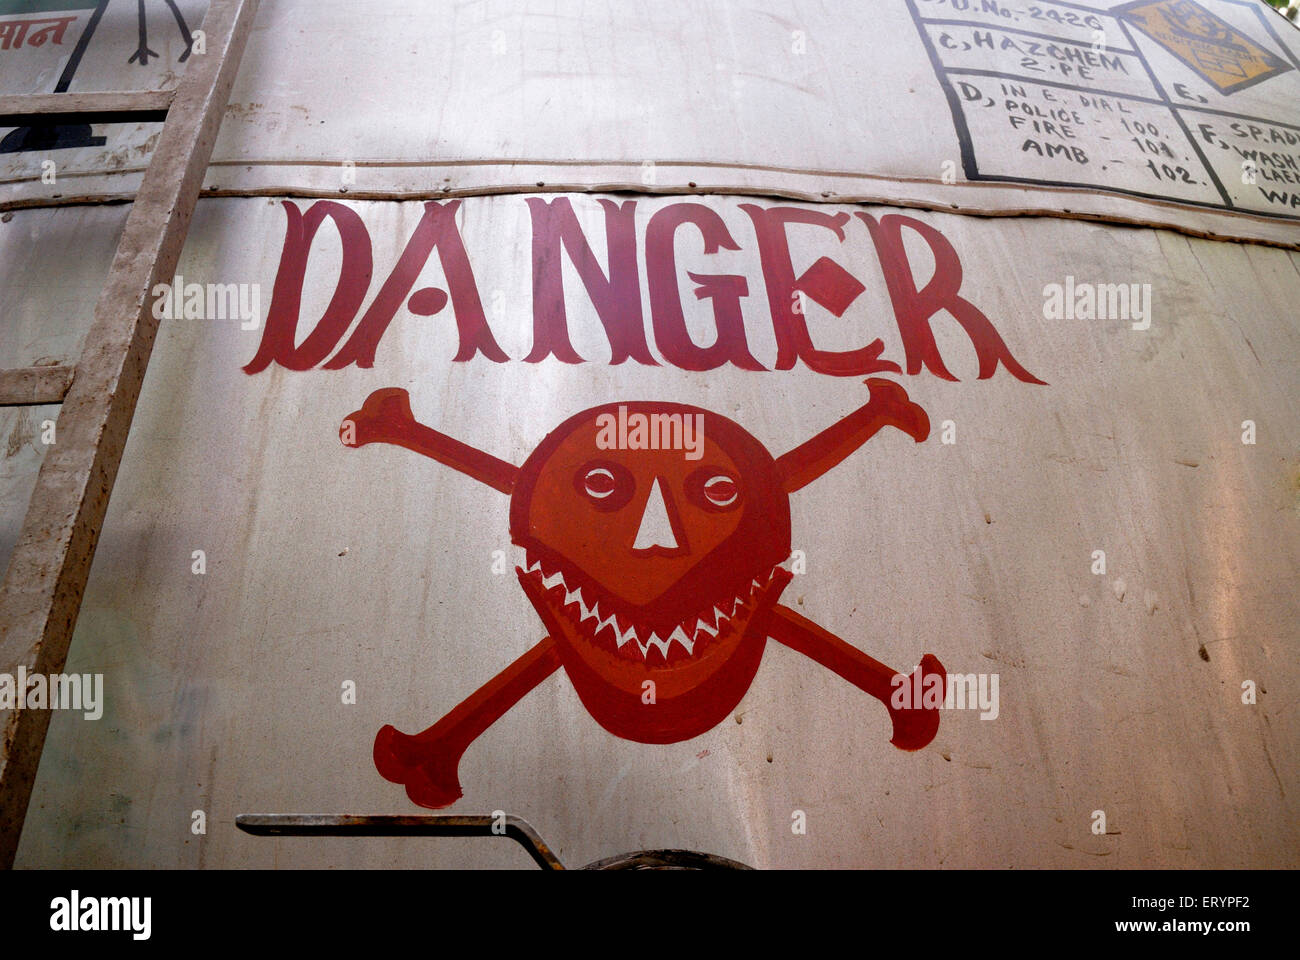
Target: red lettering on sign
x,y
436,231
724,290
617,298
914,308
286,298
616,294
825,282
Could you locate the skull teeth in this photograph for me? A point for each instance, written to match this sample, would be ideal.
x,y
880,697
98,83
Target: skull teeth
x,y
663,644
626,635
607,622
679,635
688,635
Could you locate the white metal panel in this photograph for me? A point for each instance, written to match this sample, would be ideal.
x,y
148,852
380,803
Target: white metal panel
x,y
1119,692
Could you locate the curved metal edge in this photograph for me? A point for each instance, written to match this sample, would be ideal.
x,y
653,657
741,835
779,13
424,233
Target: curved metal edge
x,y
667,860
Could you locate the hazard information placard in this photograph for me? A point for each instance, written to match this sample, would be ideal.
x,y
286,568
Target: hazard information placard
x,y
1143,98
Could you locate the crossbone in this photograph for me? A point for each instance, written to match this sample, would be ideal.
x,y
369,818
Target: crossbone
x,y
650,572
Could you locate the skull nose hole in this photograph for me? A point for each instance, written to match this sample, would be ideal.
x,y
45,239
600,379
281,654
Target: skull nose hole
x,y
655,532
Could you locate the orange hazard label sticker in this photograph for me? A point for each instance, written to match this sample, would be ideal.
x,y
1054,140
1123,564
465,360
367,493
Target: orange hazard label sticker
x,y
1219,53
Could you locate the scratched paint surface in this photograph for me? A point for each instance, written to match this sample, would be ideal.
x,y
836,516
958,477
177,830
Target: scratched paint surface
x,y
377,566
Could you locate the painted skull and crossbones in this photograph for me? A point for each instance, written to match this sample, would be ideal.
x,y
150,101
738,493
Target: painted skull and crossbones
x,y
657,577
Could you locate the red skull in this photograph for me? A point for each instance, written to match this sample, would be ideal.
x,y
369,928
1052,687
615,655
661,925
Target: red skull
x,y
653,570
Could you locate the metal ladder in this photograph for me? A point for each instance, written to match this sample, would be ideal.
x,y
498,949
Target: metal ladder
x,y
43,585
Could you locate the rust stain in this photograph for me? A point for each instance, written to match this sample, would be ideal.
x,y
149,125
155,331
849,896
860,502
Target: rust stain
x,y
147,147
243,110
20,436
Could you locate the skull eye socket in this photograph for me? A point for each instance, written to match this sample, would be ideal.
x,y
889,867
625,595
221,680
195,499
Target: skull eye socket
x,y
604,484
598,483
714,489
720,490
